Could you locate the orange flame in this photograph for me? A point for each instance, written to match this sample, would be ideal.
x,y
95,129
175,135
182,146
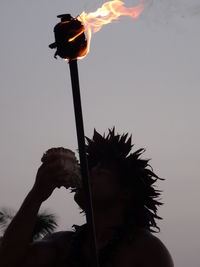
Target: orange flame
x,y
109,11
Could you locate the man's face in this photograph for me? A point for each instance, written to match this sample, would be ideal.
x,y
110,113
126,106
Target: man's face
x,y
105,187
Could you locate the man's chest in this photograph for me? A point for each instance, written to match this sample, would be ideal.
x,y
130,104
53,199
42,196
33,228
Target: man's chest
x,y
124,256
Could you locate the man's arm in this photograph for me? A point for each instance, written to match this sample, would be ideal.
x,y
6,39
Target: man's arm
x,y
16,245
19,233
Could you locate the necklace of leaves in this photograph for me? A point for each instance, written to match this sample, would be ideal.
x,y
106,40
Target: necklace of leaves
x,y
106,253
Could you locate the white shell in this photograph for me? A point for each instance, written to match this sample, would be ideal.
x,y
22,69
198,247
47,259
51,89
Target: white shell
x,y
70,164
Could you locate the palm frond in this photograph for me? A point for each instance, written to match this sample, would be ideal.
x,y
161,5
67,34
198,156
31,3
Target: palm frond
x,y
6,215
45,224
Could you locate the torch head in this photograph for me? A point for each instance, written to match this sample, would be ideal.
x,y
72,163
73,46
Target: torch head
x,y
70,40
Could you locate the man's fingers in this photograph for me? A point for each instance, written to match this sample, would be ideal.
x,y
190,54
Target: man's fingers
x,y
60,178
62,182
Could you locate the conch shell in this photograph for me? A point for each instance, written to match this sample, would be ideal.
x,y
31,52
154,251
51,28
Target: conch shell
x,y
70,164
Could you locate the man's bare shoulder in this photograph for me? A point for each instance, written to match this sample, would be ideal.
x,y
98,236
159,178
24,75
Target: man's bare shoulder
x,y
150,250
61,236
60,241
49,250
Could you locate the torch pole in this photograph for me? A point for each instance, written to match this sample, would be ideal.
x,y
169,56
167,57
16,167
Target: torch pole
x,y
82,155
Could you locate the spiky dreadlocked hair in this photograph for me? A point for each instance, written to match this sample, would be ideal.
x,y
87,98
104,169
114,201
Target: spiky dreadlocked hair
x,y
134,172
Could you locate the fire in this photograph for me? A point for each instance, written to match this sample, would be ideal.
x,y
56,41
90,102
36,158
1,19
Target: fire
x,y
109,11
77,35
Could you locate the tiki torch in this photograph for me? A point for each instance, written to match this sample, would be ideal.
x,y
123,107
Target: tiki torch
x,y
71,44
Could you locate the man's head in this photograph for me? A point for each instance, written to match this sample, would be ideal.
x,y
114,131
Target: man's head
x,y
118,175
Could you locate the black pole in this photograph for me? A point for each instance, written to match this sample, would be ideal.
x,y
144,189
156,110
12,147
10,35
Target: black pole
x,y
83,159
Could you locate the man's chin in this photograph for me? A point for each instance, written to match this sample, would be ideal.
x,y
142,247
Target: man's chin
x,y
79,198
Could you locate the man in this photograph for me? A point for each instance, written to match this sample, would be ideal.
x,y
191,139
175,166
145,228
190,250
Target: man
x,y
125,208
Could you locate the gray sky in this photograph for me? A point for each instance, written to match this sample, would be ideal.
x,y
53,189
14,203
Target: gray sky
x,y
141,76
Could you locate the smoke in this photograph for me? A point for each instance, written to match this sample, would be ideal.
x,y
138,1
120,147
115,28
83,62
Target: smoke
x,y
174,8
175,14
187,8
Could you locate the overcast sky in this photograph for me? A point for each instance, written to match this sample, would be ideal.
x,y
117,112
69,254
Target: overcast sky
x,y
141,77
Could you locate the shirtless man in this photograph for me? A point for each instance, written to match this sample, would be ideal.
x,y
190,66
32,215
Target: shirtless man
x,y
125,209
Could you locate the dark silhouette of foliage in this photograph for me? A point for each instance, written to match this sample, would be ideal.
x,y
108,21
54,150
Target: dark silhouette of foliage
x,y
6,215
46,223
